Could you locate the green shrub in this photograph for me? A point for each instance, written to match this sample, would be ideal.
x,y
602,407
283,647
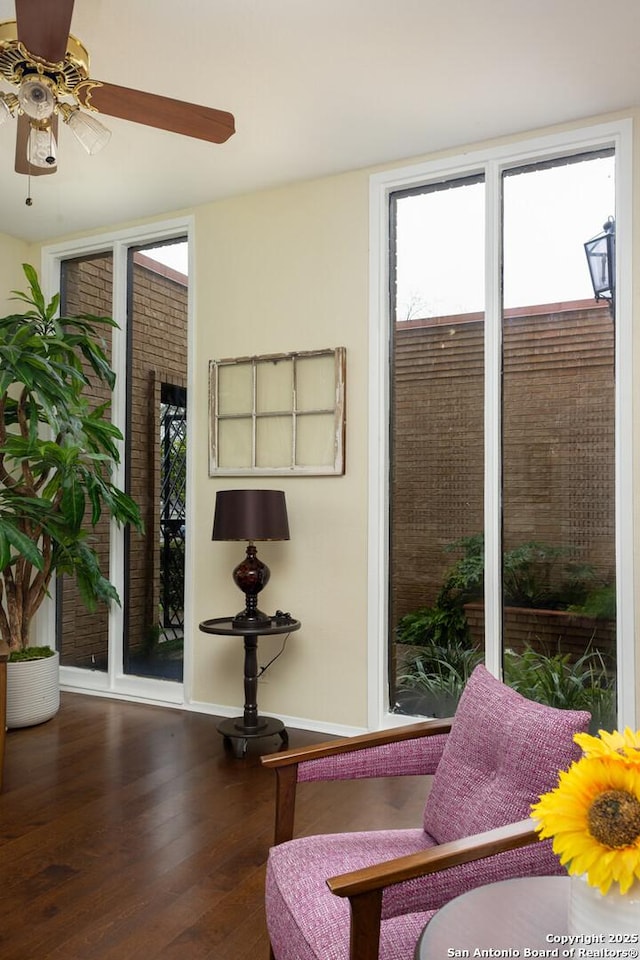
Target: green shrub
x,y
599,604
534,574
559,681
437,626
440,670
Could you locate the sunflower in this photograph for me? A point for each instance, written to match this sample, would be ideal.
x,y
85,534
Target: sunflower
x,y
626,744
593,816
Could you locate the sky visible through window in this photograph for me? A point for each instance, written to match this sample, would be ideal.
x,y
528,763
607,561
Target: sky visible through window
x,y
548,216
175,255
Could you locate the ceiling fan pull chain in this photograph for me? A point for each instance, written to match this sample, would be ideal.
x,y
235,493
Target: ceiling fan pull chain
x,y
29,201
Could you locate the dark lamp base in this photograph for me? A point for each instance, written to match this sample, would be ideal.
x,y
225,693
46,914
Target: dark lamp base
x,y
251,576
249,618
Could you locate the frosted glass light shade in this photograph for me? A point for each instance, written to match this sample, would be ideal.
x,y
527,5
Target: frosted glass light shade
x,y
5,110
36,98
42,149
88,130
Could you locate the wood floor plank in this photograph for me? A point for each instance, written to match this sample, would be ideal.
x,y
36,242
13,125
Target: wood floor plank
x,y
129,832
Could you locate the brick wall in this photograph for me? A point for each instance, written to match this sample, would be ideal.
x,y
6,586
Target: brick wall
x,y
158,330
558,442
550,631
158,354
436,439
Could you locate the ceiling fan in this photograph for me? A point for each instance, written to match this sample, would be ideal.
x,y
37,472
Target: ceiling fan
x,y
50,69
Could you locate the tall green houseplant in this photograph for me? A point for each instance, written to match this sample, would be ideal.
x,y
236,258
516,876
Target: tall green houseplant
x,y
57,455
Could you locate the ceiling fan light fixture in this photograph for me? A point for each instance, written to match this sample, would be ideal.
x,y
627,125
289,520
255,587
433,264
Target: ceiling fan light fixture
x,y
87,129
42,149
36,98
49,68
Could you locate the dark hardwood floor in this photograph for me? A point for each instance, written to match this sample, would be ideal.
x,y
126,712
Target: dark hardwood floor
x,y
128,832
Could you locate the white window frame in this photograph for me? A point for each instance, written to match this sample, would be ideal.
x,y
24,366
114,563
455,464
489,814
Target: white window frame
x,y
492,162
115,682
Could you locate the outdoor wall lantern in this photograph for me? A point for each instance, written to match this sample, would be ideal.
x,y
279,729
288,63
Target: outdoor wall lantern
x,y
601,257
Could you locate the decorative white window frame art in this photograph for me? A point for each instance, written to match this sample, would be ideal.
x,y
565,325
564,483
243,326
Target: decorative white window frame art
x,y
278,414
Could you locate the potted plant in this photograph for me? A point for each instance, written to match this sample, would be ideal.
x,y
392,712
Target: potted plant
x,y
57,455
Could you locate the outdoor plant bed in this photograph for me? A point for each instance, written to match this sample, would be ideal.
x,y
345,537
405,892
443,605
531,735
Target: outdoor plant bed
x,y
546,630
559,636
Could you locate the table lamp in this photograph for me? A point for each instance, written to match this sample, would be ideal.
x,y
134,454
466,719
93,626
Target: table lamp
x,y
250,515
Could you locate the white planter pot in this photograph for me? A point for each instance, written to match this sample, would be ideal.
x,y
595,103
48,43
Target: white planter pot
x,y
591,913
33,691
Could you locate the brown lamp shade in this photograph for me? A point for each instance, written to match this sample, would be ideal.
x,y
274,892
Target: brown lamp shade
x,y
250,515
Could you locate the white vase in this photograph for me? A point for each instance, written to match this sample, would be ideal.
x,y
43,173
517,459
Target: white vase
x,y
590,912
33,691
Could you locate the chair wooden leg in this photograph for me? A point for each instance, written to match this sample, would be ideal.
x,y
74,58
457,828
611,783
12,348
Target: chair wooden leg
x,y
366,912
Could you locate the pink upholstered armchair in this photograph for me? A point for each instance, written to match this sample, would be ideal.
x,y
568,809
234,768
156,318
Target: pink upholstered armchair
x,y
368,895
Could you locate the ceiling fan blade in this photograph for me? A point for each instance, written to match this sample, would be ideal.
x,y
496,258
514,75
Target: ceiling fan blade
x,y
43,27
22,137
188,119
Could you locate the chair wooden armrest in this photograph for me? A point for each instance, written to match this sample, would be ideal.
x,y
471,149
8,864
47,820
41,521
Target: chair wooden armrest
x,y
365,887
330,748
286,763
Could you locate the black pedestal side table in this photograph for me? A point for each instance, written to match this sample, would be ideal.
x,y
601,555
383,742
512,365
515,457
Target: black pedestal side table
x,y
239,730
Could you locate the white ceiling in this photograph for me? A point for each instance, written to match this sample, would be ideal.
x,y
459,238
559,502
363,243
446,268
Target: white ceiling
x,y
317,87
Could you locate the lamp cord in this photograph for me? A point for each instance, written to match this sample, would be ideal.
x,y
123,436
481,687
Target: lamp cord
x,y
264,669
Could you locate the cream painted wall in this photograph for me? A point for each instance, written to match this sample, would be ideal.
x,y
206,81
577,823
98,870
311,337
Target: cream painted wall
x,y
274,272
13,253
286,270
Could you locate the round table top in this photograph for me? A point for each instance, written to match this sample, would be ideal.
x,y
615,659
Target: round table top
x,y
226,626
527,912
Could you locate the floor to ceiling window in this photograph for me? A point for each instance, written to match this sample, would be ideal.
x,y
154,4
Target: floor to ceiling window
x,y
437,430
156,458
504,408
558,440
136,647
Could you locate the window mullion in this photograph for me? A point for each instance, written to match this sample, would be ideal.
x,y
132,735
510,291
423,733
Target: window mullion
x,y
493,419
627,667
119,361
